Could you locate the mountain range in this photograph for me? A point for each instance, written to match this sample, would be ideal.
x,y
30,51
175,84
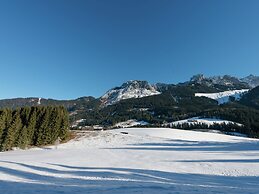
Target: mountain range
x,y
225,97
139,89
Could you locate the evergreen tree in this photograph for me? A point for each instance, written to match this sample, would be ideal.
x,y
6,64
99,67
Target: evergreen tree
x,y
12,134
31,125
55,123
22,141
64,128
2,124
42,130
25,115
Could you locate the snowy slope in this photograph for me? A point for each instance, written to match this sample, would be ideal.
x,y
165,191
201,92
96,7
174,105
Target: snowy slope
x,y
143,161
251,80
206,121
130,123
223,97
130,89
77,122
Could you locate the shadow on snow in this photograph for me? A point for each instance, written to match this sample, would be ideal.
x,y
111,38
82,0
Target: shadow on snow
x,y
176,145
58,178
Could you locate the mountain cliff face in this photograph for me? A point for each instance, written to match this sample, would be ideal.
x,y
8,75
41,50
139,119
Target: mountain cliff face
x,y
222,83
130,89
251,80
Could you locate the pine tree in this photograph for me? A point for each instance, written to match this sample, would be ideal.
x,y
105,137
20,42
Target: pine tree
x,y
43,132
38,128
64,128
55,123
31,125
11,135
25,115
22,141
2,124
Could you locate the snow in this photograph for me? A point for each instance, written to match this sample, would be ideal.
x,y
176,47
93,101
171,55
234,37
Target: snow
x,y
251,80
39,101
77,122
135,160
130,89
223,97
130,123
206,121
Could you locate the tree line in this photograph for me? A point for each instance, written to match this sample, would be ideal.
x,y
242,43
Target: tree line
x,y
32,126
249,117
224,127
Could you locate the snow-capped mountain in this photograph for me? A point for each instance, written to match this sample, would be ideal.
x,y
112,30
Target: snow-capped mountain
x,y
229,82
251,80
224,97
130,89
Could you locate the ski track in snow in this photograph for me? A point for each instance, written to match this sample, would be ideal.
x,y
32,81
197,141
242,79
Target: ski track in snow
x,y
138,160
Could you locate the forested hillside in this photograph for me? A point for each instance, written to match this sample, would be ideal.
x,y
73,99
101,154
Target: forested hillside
x,y
155,104
32,126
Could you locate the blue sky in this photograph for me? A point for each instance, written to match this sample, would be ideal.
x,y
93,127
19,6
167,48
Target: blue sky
x,y
66,49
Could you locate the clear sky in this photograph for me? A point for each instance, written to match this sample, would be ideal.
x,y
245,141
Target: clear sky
x,y
66,49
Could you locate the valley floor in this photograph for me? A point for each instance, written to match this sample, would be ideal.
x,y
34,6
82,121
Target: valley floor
x,y
135,160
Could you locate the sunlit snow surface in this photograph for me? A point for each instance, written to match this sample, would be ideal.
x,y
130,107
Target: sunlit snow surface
x,y
130,89
223,97
206,121
130,123
135,160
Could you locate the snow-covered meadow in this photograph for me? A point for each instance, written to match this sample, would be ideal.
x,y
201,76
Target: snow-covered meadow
x,y
135,160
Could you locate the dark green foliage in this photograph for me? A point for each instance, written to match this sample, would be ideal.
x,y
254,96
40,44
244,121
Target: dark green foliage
x,y
3,116
244,115
71,105
175,103
12,132
251,99
64,124
42,134
229,127
31,126
22,140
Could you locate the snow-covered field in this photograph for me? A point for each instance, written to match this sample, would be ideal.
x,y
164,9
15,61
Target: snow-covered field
x,y
135,160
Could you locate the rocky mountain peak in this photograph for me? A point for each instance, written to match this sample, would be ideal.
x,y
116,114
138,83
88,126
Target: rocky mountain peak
x,y
251,80
129,89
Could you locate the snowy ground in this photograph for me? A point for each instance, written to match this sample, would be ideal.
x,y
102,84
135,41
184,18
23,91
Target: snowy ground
x,y
206,121
223,97
136,161
130,123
